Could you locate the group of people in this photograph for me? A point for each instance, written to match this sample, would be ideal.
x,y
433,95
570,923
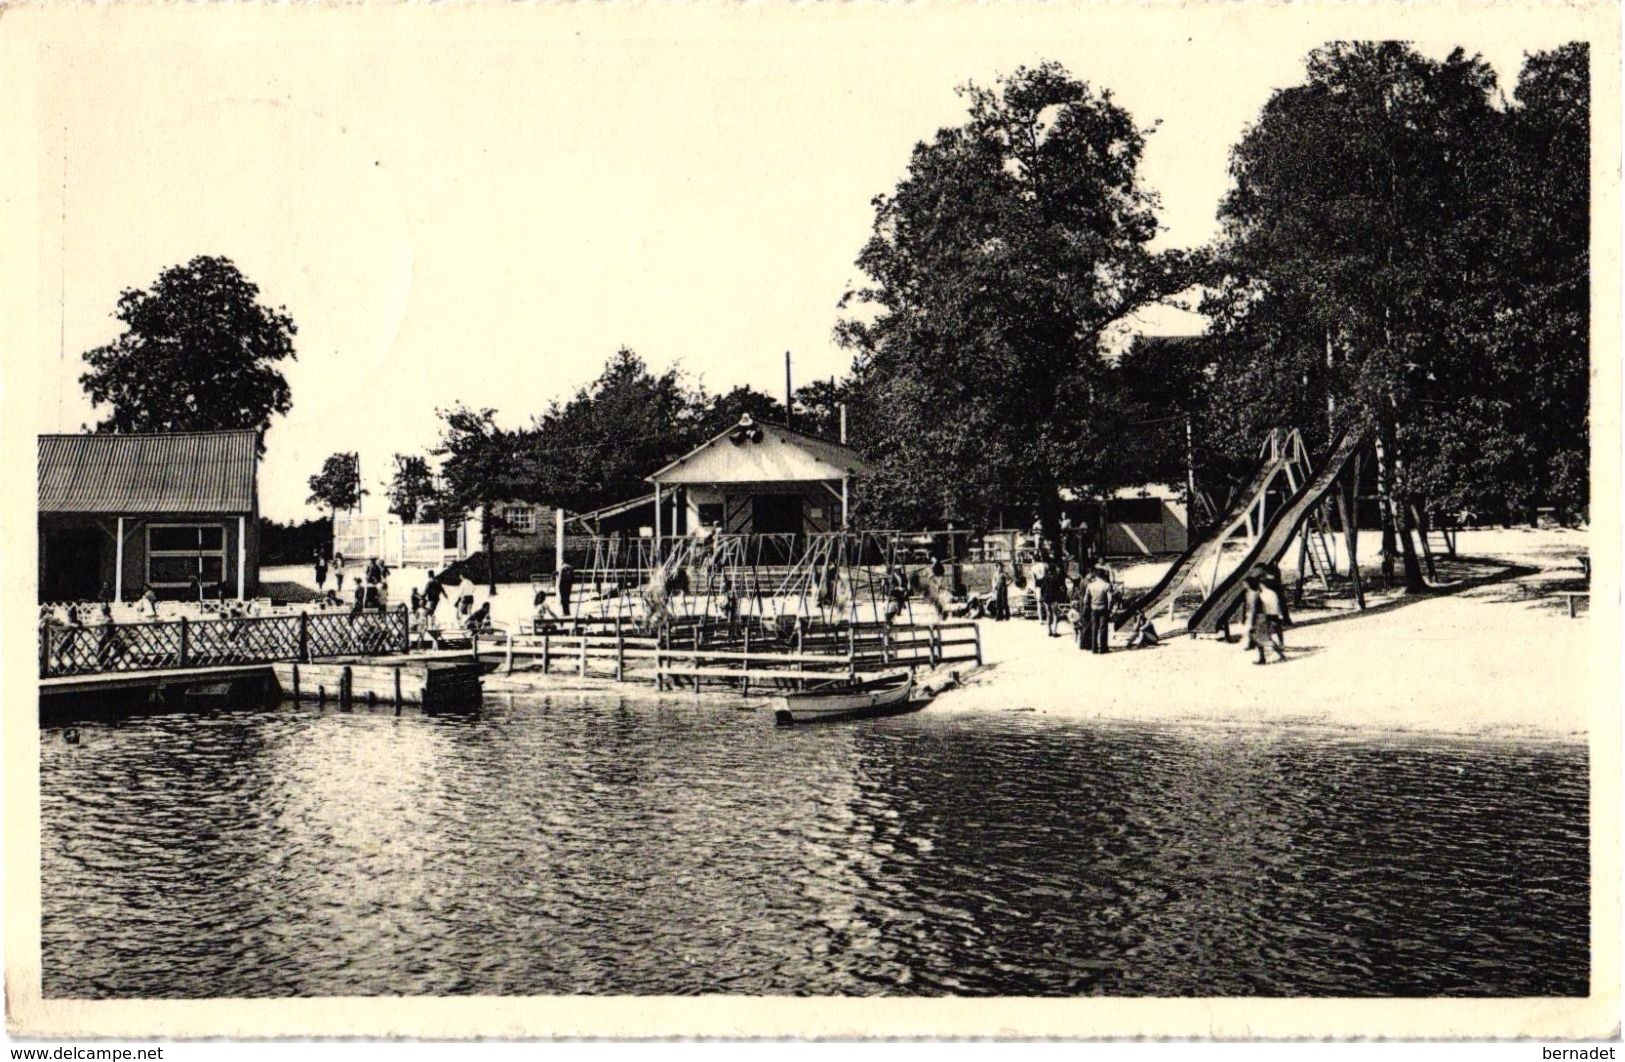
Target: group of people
x,y
372,589
564,585
322,565
1087,602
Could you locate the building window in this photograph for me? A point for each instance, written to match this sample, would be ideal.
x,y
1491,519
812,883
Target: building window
x,y
710,514
519,518
176,553
1134,510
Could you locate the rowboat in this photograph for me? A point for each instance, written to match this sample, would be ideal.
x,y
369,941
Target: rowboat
x,y
846,699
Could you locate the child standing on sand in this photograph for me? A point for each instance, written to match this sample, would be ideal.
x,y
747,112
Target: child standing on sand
x,y
1263,619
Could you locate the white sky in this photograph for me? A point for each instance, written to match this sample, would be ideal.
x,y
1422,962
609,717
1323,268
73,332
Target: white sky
x,y
456,216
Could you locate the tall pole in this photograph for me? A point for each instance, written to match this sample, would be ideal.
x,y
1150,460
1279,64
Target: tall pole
x,y
788,416
118,563
558,538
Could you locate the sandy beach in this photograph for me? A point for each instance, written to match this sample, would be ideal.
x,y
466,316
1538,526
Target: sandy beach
x,y
1490,652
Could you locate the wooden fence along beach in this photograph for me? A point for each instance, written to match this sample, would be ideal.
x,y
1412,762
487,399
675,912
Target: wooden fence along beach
x,y
386,657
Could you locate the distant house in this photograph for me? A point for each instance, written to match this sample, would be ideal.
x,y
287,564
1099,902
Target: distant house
x,y
120,512
1145,521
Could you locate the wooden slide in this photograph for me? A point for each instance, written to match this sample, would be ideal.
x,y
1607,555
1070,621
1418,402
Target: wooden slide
x,y
1278,533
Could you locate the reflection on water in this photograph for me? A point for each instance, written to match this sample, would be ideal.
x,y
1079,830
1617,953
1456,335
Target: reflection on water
x,y
569,845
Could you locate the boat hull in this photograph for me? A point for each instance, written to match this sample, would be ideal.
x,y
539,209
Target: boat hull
x,y
832,705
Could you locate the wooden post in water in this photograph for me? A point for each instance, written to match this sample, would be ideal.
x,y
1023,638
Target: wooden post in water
x,y
582,641
397,684
296,681
851,650
344,687
620,651
746,688
547,638
304,639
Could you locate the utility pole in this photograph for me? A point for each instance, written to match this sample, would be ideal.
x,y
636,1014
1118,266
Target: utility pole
x,y
788,415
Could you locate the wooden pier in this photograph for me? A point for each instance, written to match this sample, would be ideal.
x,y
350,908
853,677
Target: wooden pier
x,y
410,680
745,653
343,660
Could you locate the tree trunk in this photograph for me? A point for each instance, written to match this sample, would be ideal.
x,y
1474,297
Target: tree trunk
x,y
1385,508
1190,475
1396,512
1419,515
1348,511
1049,517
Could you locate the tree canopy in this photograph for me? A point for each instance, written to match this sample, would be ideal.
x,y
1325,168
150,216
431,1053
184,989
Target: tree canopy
x,y
996,266
198,353
1403,251
338,485
412,489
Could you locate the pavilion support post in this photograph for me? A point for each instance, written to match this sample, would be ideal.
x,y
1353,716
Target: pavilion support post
x,y
242,557
657,524
844,481
118,563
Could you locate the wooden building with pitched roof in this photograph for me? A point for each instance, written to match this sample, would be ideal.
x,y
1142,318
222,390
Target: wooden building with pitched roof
x,y
120,512
757,479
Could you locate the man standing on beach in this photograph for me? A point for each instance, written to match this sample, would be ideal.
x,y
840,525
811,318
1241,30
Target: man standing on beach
x,y
567,582
433,591
1099,593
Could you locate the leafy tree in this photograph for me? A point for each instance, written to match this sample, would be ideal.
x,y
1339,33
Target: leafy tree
x,y
481,468
338,485
818,407
412,490
596,448
716,414
996,266
294,543
198,353
1356,233
1161,381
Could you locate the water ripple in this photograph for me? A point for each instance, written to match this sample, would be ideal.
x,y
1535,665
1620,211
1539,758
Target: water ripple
x,y
593,846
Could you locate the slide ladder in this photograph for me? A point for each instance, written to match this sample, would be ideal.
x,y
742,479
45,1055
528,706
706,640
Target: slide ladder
x,y
1281,456
1277,535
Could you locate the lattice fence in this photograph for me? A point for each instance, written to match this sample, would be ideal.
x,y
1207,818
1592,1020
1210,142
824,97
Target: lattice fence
x,y
67,650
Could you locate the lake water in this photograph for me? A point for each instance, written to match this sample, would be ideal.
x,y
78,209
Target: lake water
x,y
572,845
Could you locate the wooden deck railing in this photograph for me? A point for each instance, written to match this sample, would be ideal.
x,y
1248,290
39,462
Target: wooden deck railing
x,y
189,643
